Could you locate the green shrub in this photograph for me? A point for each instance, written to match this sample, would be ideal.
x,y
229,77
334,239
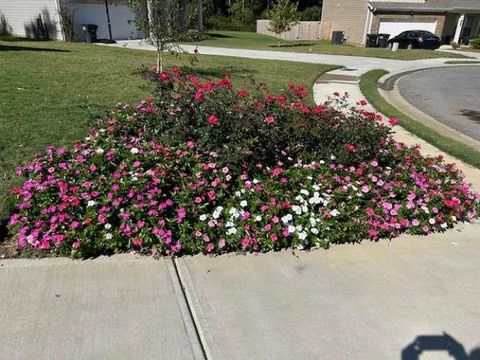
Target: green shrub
x,y
312,13
475,43
248,129
228,23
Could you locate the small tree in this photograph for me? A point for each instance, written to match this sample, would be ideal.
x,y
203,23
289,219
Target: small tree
x,y
282,17
161,21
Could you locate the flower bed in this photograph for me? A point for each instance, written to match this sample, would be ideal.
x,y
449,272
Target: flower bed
x,y
207,168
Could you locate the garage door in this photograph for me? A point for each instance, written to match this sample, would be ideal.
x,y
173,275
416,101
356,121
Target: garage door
x,y
395,27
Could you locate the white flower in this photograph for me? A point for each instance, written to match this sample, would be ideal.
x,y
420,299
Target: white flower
x,y
291,229
304,192
243,203
255,181
454,218
300,199
229,224
316,187
299,228
91,203
108,226
287,218
334,212
332,157
314,231
425,210
444,225
258,218
297,209
238,193
108,236
302,235
203,217
232,231
134,150
312,221
304,208
99,151
321,162
432,221
134,178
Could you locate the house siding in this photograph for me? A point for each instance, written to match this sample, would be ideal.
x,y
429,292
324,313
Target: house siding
x,y
349,16
19,16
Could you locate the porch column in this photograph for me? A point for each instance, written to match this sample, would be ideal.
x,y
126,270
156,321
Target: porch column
x,y
458,30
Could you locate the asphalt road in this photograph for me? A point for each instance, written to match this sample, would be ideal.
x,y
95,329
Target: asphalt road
x,y
449,95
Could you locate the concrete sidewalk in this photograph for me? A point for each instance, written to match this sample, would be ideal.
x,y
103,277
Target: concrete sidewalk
x,y
122,307
367,301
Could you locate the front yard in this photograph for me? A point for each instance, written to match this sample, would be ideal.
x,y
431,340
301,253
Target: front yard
x,y
248,40
50,91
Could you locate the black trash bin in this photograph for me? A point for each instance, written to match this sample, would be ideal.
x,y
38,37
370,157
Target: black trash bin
x,y
90,32
337,37
383,40
372,40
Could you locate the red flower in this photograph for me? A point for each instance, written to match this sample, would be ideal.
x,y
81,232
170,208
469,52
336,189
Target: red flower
x,y
393,121
213,120
164,76
198,96
243,92
137,241
270,119
350,148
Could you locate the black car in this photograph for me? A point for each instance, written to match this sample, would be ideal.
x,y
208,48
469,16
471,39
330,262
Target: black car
x,y
416,39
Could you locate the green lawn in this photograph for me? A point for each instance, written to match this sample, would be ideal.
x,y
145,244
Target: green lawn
x,y
368,86
250,40
50,91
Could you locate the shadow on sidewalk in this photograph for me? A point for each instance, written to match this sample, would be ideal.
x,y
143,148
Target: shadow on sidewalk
x,y
442,343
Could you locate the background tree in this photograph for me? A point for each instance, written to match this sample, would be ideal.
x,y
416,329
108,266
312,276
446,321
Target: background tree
x,y
163,22
282,17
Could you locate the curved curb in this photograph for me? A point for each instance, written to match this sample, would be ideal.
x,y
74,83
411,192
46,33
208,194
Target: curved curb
x,y
389,90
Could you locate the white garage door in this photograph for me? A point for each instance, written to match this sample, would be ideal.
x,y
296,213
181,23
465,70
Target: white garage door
x,y
395,27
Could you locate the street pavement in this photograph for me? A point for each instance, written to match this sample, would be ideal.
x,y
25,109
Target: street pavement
x,y
457,106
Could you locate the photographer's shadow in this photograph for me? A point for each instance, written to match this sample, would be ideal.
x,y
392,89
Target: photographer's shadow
x,y
445,342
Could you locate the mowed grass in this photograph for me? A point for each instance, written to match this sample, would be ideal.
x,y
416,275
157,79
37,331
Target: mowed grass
x,y
50,91
250,40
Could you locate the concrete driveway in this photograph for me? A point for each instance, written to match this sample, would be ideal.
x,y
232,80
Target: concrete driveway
x,y
449,95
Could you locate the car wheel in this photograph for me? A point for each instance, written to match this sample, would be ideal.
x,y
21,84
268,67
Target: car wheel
x,y
410,46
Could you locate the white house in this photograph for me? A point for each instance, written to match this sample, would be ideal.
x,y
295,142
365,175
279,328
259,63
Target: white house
x,y
20,17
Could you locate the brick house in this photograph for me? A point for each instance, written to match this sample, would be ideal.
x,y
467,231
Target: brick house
x,y
452,20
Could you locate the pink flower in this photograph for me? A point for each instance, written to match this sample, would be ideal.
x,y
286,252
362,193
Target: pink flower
x,y
198,96
137,241
415,222
270,119
393,121
181,214
213,120
210,247
221,243
246,242
243,92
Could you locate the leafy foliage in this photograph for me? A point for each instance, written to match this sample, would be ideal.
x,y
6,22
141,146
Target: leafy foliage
x,y
122,189
283,16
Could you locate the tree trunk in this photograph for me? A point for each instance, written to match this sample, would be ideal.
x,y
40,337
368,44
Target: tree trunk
x,y
200,16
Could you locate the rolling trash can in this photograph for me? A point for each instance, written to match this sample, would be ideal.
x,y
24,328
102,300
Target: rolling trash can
x,y
90,32
383,40
372,40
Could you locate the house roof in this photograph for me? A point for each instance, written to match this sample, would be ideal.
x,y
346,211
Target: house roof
x,y
427,6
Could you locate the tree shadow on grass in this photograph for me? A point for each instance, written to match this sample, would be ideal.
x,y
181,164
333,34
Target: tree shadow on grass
x,y
27,48
220,72
290,45
218,36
